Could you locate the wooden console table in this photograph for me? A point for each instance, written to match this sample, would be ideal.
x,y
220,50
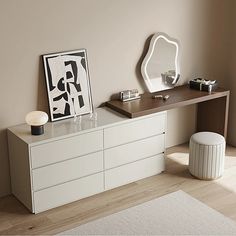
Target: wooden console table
x,y
212,110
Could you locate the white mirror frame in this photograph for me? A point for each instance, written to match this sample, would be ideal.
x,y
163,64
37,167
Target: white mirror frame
x,y
147,58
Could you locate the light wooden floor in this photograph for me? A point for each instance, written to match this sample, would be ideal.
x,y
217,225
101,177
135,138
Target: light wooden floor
x,y
219,194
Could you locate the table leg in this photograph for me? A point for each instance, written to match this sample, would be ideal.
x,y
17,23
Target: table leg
x,y
212,115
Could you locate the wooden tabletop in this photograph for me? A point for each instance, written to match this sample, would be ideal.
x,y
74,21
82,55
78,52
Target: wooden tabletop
x,y
179,96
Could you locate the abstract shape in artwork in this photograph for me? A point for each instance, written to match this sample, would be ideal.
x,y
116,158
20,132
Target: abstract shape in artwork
x,y
68,85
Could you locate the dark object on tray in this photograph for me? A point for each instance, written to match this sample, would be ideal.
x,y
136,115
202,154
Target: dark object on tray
x,y
203,85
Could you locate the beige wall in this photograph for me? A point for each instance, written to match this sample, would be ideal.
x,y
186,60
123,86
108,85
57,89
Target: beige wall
x,y
114,32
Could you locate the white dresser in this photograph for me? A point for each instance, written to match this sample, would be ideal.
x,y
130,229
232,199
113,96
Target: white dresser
x,y
76,160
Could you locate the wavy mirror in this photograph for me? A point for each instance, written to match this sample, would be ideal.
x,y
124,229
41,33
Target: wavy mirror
x,y
161,66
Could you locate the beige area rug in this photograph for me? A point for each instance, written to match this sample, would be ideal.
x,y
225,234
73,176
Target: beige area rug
x,y
174,214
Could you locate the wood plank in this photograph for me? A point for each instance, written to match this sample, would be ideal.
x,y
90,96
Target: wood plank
x,y
212,107
179,96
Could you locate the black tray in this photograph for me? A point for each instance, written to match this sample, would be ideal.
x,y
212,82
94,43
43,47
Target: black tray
x,y
202,87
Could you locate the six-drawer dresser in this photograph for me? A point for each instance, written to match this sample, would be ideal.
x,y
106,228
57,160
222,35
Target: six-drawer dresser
x,y
73,160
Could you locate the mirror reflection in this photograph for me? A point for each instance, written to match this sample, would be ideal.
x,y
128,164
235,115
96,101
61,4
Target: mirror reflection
x,y
160,68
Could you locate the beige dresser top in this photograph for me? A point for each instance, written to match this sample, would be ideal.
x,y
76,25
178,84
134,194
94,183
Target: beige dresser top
x,y
68,127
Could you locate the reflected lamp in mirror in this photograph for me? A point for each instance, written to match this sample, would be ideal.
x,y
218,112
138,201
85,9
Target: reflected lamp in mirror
x,y
161,66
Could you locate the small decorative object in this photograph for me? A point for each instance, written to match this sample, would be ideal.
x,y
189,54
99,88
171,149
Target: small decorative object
x,y
93,115
203,85
36,119
128,95
68,84
163,97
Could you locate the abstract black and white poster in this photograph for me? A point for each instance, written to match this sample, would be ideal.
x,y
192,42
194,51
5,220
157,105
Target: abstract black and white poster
x,y
68,84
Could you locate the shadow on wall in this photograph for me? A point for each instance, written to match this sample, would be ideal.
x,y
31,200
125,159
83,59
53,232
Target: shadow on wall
x,y
42,97
139,63
232,82
137,71
216,36
42,104
4,183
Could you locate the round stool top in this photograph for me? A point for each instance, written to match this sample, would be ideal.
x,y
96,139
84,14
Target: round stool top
x,y
208,138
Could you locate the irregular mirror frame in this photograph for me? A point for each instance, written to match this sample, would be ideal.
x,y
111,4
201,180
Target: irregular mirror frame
x,y
161,66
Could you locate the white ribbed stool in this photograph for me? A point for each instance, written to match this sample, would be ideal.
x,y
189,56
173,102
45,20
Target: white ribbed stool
x,y
206,155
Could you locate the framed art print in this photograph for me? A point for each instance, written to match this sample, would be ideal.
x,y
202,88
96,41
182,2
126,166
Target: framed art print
x,y
68,84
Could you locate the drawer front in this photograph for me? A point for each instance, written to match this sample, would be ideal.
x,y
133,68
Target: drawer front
x,y
134,130
67,170
66,148
130,152
134,171
68,192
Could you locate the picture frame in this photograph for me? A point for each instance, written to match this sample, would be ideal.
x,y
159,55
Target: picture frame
x,y
68,84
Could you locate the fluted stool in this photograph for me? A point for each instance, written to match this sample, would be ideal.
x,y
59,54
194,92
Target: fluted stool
x,y
206,155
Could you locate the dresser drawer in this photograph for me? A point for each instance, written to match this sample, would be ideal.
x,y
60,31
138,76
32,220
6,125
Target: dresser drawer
x,y
68,192
134,171
67,148
67,170
134,130
130,152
